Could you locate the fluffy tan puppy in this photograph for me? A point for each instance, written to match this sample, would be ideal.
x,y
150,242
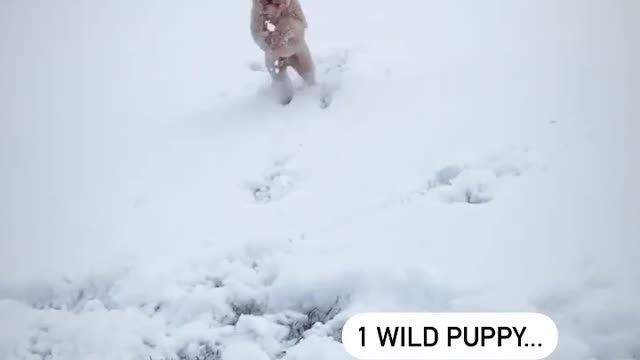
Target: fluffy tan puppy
x,y
278,28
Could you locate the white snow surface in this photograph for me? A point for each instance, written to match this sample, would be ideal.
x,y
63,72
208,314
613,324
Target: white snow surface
x,y
157,203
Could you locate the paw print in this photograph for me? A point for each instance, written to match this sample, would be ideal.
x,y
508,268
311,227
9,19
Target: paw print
x,y
274,187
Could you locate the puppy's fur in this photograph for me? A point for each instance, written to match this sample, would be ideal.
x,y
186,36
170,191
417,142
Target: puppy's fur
x,y
278,28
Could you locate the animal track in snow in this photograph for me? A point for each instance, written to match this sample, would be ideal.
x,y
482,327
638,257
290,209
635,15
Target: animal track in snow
x,y
473,186
275,185
476,183
256,66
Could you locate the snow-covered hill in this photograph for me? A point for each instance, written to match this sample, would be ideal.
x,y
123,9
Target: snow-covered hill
x,y
155,202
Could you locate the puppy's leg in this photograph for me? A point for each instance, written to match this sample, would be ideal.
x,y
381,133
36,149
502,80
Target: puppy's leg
x,y
303,65
281,81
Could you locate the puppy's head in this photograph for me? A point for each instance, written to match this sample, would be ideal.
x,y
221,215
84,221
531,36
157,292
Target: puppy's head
x,y
273,8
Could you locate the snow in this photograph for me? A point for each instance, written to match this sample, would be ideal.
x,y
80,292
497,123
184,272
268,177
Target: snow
x,y
156,202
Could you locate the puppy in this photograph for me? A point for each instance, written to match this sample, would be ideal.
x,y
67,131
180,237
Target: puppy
x,y
278,28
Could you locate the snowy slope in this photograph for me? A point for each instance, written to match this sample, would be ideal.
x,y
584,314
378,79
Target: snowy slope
x,y
156,203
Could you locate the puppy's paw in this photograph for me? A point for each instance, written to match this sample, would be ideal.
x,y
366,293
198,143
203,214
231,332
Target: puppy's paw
x,y
286,100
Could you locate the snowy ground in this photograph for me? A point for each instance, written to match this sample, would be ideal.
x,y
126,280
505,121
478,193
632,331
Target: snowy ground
x,y
155,202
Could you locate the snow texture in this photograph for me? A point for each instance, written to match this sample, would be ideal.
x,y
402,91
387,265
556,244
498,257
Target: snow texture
x,y
156,203
270,26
